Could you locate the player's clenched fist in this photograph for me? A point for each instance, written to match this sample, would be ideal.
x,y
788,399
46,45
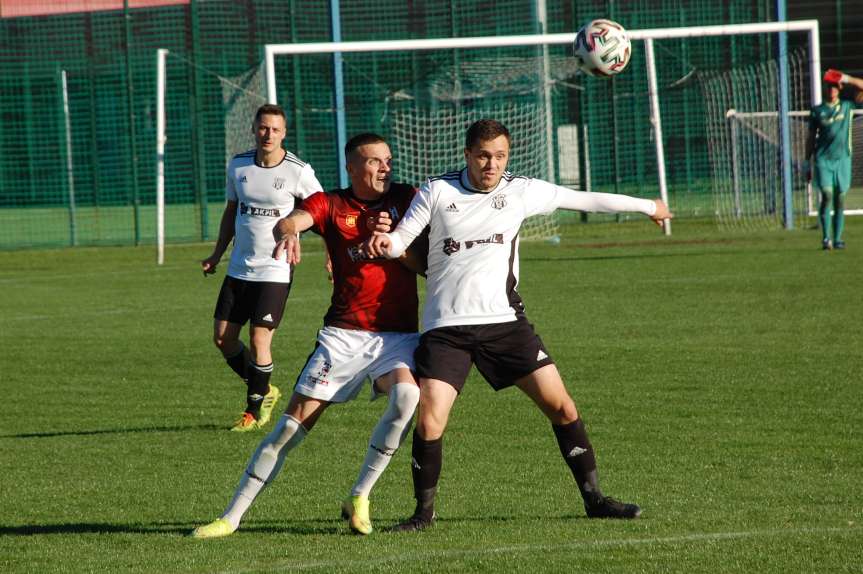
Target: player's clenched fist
x,y
380,222
377,246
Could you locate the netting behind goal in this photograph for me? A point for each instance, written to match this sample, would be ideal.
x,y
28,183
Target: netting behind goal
x,y
426,141
745,142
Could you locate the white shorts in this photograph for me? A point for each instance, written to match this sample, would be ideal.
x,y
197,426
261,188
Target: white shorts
x,y
344,358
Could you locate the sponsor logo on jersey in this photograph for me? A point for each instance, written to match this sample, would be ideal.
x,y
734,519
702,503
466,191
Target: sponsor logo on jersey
x,y
498,201
451,208
351,219
259,211
244,179
541,355
394,213
496,238
278,183
450,245
356,253
268,317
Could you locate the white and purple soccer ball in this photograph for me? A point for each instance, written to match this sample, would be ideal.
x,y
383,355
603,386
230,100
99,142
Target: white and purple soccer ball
x,y
602,48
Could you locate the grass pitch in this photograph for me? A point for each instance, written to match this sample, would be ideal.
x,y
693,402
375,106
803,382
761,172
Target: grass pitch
x,y
719,376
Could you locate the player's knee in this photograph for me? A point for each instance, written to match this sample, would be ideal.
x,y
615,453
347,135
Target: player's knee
x,y
563,413
430,428
225,344
287,432
403,401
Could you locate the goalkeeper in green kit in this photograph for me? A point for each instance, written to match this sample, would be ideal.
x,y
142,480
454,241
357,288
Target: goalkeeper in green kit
x,y
830,142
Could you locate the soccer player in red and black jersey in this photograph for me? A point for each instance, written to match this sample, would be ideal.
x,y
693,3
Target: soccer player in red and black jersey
x,y
370,329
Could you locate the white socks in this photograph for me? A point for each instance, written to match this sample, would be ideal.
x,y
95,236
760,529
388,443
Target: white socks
x,y
264,466
388,435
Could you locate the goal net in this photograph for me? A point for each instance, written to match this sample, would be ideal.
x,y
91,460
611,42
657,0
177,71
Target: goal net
x,y
745,142
427,137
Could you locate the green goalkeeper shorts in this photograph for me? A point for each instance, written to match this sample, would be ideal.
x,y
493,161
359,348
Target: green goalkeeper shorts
x,y
833,175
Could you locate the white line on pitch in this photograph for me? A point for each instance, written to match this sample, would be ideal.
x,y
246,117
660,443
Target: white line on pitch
x,y
527,548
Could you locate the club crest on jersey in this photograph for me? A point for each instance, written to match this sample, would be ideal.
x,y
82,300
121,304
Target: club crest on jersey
x,y
498,201
351,220
278,183
450,246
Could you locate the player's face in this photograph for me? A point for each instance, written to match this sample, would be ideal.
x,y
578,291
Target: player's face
x,y
370,168
269,133
486,162
832,91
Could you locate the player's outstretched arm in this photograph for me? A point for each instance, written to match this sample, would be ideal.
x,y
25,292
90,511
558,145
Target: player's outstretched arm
x,y
287,235
226,234
662,213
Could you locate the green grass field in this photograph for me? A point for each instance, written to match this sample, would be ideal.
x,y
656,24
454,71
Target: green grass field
x,y
719,376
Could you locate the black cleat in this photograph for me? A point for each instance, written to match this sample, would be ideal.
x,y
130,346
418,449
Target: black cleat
x,y
414,524
839,245
826,245
599,506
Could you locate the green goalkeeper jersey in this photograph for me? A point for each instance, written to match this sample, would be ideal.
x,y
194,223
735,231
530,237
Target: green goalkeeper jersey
x,y
833,125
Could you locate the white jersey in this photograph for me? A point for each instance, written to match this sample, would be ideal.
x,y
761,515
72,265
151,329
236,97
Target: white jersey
x,y
263,196
472,276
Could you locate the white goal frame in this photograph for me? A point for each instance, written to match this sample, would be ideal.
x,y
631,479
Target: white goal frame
x,y
648,36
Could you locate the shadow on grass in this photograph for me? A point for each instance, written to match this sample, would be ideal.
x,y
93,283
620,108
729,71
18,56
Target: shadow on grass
x,y
176,428
296,527
622,256
180,528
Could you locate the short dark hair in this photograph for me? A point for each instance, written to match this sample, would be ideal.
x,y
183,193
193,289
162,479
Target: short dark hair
x,y
270,110
485,130
361,140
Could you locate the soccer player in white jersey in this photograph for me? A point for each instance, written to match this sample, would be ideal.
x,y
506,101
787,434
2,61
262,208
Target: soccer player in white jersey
x,y
474,315
262,186
369,333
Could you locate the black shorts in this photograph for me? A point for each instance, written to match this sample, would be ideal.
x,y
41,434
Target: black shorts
x,y
260,302
502,352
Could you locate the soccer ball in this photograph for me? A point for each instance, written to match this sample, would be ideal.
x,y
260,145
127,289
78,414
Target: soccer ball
x,y
602,48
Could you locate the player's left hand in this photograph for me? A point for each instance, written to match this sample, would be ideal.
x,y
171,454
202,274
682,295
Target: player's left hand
x,y
662,213
380,222
288,249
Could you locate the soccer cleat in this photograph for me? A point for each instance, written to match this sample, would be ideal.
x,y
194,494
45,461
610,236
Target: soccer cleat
x,y
839,245
216,529
246,423
598,506
267,406
355,509
827,246
415,523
